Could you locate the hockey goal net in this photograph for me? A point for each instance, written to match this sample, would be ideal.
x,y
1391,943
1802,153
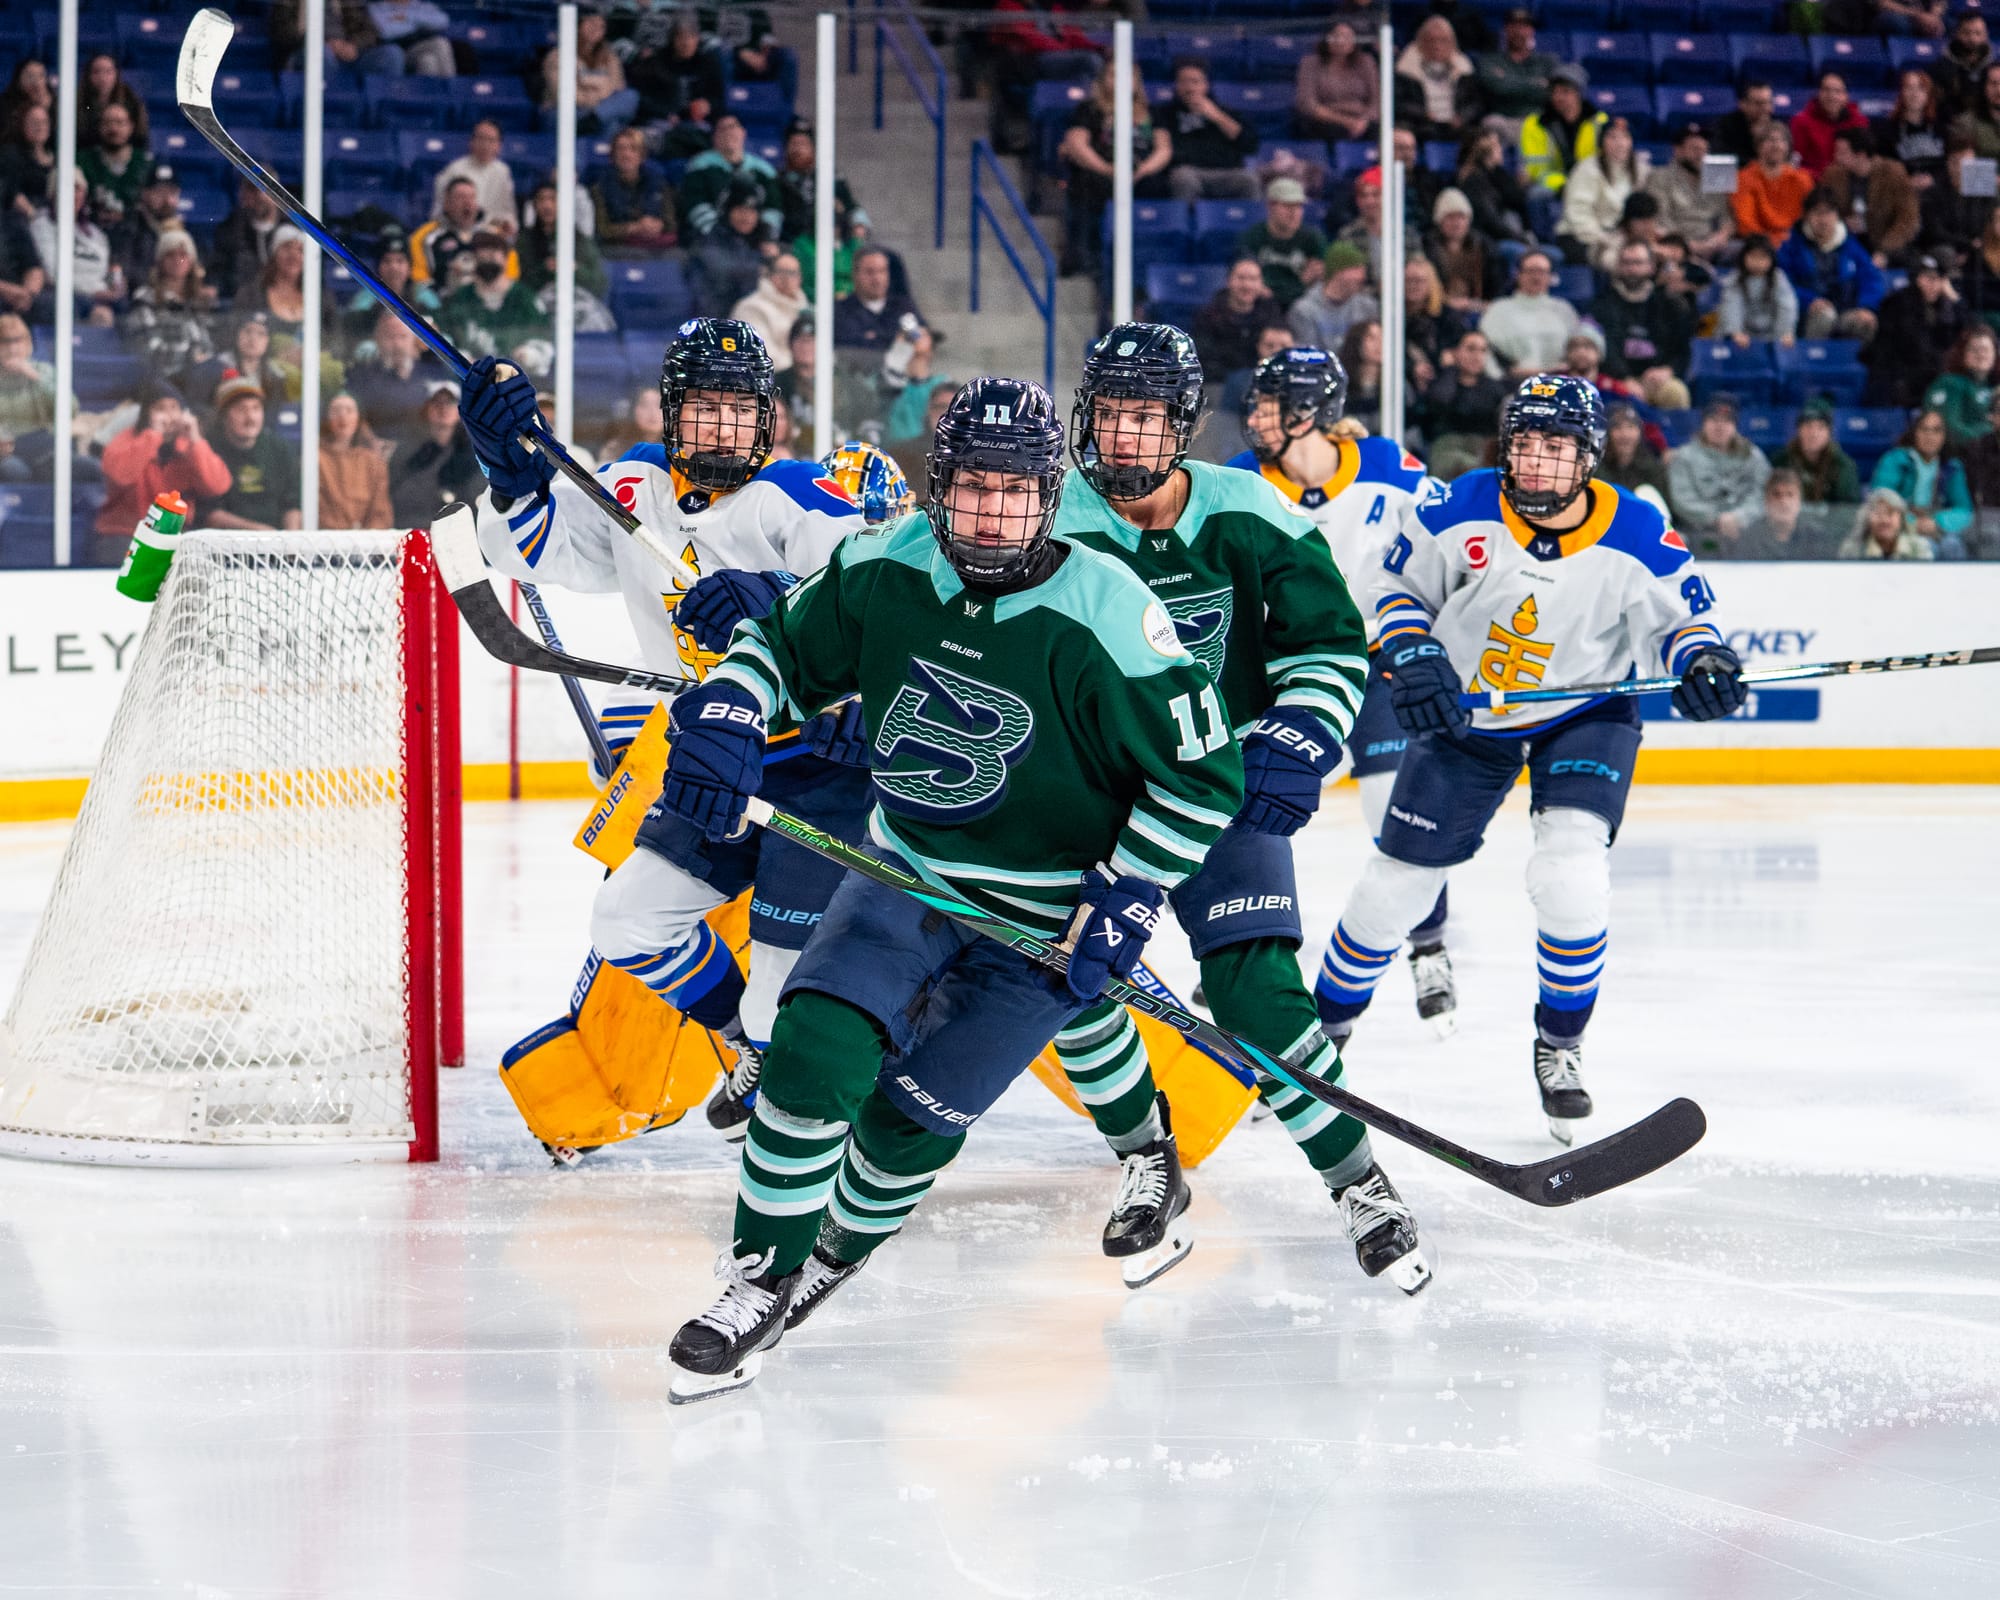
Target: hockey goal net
x,y
252,949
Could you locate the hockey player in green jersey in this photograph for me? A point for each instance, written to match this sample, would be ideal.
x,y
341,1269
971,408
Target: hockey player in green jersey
x,y
1259,600
1026,703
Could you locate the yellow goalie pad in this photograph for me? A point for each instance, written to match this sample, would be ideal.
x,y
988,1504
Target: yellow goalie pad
x,y
607,833
624,1062
1206,1097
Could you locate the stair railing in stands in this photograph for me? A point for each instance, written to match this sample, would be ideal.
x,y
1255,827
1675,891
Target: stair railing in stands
x,y
893,20
984,161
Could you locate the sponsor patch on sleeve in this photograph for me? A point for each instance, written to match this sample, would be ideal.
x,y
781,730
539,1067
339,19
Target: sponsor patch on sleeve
x,y
1672,539
1160,632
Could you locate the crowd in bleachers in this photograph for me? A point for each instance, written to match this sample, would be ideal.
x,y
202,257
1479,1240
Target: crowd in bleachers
x,y
1810,328
439,168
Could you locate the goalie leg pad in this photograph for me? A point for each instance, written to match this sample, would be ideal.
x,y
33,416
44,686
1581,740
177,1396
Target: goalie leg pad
x,y
649,919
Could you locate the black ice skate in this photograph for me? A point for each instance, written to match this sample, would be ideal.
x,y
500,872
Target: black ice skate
x,y
1437,994
1149,1232
818,1278
721,1349
569,1155
1559,1075
729,1110
1383,1231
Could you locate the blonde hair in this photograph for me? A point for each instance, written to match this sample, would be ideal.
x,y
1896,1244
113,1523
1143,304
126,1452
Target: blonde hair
x,y
1433,301
1102,92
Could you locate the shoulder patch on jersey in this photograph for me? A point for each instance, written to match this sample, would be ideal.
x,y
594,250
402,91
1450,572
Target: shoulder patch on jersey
x,y
1639,531
805,484
1386,461
1160,633
1471,497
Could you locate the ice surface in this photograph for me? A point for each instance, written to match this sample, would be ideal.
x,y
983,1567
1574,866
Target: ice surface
x,y
1769,1371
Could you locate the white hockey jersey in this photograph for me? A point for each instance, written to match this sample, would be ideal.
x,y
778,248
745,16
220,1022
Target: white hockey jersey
x,y
787,518
1517,610
1376,484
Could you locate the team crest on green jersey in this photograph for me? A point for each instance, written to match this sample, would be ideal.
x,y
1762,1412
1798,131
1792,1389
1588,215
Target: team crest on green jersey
x,y
1202,621
946,744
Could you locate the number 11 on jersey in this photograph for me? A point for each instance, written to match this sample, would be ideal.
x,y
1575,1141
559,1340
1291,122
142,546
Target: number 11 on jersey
x,y
1196,745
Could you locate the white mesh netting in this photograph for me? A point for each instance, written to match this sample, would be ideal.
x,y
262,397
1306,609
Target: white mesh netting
x,y
223,959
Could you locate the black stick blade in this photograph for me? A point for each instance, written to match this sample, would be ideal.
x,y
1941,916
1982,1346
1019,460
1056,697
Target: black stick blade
x,y
1649,1144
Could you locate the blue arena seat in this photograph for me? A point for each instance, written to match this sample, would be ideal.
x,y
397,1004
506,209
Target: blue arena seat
x,y
1777,58
1581,14
1678,103
1275,57
1181,290
1868,431
1814,367
1218,224
1577,285
652,294
1224,53
1647,16
1679,426
192,157
1919,53
762,106
501,100
403,103
345,107
1689,58
280,149
425,154
1769,428
1749,372
245,99
1864,63
1630,101
1267,107
204,207
1740,16
102,380
358,159
1612,58
1160,232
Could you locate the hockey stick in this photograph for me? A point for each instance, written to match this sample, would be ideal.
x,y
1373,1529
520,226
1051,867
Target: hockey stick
x,y
593,731
201,55
1644,1147
1497,699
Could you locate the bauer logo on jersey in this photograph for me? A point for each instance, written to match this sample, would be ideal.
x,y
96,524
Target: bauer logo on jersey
x,y
1202,621
1160,631
946,744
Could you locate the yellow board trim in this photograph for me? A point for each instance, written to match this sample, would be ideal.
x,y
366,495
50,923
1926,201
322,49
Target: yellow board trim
x,y
57,799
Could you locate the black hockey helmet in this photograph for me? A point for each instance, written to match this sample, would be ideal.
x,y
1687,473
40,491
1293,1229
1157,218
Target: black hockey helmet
x,y
1310,386
1136,361
718,354
1561,406
996,425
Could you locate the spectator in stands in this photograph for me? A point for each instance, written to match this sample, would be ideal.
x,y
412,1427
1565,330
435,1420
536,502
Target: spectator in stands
x,y
27,402
263,469
604,101
1877,201
1648,333
1209,145
912,452
795,383
1704,220
491,178
136,239
1913,132
535,250
1086,147
1980,121
1771,195
1638,223
1979,281
1785,530
394,381
104,85
1826,473
169,327
353,476
640,422
1962,64
1826,114
439,468
726,263
1365,231
1337,89
1598,188
28,162
1434,82
98,279
883,326
1963,393
1468,265
1717,477
280,289
728,160
1758,301
1289,253
419,29
1461,409
1952,219
1421,185
393,267
1430,327
679,79
114,166
1738,132
1835,279
1932,485
1982,477
1559,135
1323,316
441,249
243,240
1884,530
1513,81
1583,357
1920,322
248,355
1630,461
351,39
29,86
24,286
1226,329
635,207
795,190
162,450
1361,356
492,316
1528,328
1499,204
778,301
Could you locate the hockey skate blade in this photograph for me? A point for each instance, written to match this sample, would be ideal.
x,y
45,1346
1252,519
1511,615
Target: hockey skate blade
x,y
688,1387
1445,1024
1170,1252
1563,1130
1410,1273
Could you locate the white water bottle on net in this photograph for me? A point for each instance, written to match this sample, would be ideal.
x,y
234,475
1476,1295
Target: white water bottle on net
x,y
252,949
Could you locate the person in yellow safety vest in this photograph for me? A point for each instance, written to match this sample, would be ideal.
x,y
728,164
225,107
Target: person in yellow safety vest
x,y
1566,129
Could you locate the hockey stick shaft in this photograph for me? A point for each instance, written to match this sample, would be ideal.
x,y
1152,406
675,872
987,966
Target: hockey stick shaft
x,y
1499,699
202,49
600,750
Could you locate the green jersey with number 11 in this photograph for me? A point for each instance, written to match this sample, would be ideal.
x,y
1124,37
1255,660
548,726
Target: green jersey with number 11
x,y
1016,740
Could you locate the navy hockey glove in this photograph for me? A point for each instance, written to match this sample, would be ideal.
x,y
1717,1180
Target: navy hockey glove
x,y
839,735
1423,689
1287,755
713,607
496,412
1119,918
716,761
1712,685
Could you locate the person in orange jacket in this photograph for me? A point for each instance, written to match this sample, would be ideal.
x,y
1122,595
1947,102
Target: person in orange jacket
x,y
163,450
1771,195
